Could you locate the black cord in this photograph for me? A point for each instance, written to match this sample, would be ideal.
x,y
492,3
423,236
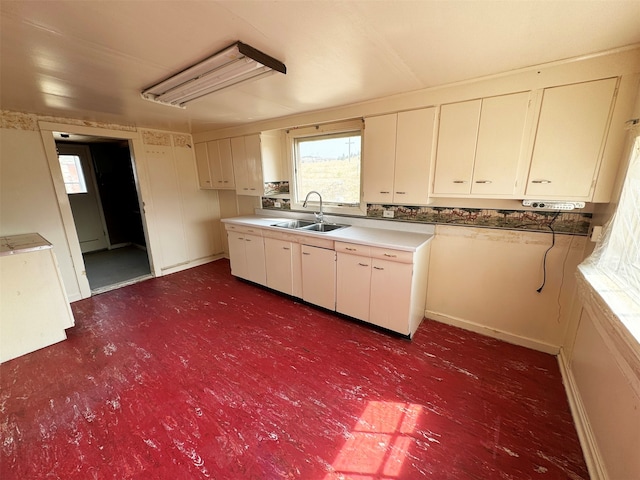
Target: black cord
x,y
544,259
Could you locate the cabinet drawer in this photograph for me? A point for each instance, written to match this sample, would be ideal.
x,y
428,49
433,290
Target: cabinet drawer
x,y
317,242
243,229
399,256
288,237
353,249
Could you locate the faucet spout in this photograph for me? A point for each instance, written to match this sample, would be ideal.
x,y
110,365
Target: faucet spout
x,y
319,215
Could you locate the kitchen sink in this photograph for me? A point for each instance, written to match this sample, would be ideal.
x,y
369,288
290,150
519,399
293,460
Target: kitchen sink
x,y
309,226
294,224
323,227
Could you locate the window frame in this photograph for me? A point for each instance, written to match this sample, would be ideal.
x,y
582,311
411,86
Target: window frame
x,y
336,128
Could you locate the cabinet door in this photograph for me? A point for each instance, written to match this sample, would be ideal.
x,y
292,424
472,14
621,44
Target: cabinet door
x,y
240,173
226,163
256,269
413,153
279,265
254,165
379,158
457,137
319,276
569,140
237,254
353,285
214,164
202,164
500,140
390,305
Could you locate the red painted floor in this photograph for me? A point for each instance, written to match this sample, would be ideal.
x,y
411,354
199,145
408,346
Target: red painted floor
x,y
199,375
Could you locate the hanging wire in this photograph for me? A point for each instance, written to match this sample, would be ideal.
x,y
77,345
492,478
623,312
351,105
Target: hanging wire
x,y
544,259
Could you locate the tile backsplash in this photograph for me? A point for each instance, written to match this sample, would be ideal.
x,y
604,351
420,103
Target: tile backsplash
x,y
576,223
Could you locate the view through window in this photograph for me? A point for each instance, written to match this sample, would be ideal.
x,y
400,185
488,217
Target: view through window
x,y
72,174
329,164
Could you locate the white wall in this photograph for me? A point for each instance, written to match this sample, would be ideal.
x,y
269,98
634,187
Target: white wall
x,y
486,279
183,222
28,203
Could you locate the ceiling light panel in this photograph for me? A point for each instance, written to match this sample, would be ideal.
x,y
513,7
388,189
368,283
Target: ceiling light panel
x,y
232,66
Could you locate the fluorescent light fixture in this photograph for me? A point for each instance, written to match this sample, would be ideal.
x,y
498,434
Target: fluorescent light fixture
x,y
234,65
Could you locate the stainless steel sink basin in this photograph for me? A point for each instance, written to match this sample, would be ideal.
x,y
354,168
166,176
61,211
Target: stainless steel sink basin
x,y
323,227
293,224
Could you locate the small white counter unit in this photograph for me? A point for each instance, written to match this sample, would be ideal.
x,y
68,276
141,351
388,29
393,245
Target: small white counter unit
x,y
34,311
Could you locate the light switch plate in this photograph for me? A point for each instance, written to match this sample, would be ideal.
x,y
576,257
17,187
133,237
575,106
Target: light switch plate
x,y
387,213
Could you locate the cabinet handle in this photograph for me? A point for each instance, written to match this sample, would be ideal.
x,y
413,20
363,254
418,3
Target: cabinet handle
x,y
350,249
245,188
240,238
306,253
484,181
207,181
250,230
401,193
226,181
363,264
252,189
390,255
384,192
459,181
247,239
540,181
286,248
378,268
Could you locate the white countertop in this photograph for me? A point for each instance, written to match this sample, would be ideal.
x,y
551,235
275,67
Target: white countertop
x,y
375,237
28,242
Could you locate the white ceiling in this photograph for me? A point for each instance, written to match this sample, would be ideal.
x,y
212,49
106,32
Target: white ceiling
x,y
90,59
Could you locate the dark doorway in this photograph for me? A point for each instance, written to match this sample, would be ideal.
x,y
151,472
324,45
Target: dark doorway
x,y
104,200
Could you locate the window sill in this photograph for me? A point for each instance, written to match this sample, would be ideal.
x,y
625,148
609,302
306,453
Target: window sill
x,y
616,315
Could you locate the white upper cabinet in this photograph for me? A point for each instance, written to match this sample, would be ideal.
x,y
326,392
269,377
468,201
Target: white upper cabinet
x,y
570,139
481,146
397,154
244,167
215,166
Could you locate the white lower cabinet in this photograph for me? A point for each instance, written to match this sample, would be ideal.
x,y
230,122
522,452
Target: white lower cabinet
x,y
385,287
390,304
279,260
246,254
353,284
319,276
382,286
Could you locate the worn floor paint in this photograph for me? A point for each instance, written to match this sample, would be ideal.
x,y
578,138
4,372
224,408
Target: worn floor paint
x,y
199,375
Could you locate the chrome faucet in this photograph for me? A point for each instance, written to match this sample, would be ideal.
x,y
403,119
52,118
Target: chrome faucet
x,y
319,216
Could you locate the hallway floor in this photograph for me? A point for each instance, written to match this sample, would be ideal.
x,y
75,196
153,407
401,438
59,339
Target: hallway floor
x,y
200,375
111,267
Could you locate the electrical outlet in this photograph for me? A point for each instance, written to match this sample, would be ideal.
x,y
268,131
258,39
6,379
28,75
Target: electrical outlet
x,y
388,213
277,204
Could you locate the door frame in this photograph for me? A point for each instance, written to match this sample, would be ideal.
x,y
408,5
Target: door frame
x,y
47,130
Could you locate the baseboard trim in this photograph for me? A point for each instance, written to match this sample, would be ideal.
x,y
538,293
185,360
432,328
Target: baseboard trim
x,y
494,333
189,264
586,436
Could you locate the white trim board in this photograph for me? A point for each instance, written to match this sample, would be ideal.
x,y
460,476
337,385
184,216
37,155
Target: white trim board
x,y
494,333
590,449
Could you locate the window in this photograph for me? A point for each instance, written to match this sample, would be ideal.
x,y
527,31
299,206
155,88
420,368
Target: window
x,y
619,252
613,269
327,159
72,174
